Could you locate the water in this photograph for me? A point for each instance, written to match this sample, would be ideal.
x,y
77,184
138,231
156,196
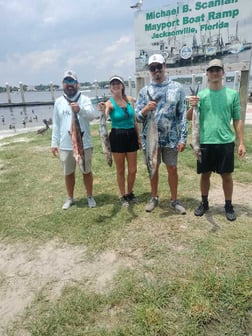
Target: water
x,y
32,116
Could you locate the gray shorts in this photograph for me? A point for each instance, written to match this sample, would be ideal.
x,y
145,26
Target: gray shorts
x,y
169,156
69,164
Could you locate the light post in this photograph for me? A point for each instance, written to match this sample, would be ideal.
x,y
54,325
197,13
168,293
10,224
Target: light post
x,y
8,93
52,91
22,91
23,99
96,87
130,86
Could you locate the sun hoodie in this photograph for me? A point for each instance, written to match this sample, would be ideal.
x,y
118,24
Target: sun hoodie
x,y
62,118
170,113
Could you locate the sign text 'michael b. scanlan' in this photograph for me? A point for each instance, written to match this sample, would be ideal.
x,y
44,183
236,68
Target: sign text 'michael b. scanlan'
x,y
203,19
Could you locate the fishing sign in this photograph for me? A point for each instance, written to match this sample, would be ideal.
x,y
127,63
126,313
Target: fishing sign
x,y
193,32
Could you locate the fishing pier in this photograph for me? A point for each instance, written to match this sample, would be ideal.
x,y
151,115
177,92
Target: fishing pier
x,y
24,103
22,108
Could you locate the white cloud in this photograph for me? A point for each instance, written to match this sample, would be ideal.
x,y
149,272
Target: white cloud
x,y
40,39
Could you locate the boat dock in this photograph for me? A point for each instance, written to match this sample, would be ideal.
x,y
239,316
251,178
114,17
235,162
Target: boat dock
x,y
24,104
94,100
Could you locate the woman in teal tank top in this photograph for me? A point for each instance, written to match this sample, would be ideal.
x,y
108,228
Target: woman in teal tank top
x,y
124,137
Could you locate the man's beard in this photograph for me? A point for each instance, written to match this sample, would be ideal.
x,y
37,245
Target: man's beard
x,y
70,91
157,75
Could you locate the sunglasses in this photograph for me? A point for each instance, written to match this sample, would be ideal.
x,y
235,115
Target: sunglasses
x,y
115,82
69,81
215,69
153,68
125,110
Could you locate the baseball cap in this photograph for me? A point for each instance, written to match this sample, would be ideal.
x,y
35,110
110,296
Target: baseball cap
x,y
115,77
71,74
215,63
156,58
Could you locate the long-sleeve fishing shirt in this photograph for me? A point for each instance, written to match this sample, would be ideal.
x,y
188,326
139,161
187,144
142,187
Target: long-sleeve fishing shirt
x,y
62,118
170,113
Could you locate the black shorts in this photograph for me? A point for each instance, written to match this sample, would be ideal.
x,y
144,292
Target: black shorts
x,y
216,158
123,140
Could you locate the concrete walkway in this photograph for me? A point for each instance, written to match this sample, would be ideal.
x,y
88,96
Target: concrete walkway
x,y
248,119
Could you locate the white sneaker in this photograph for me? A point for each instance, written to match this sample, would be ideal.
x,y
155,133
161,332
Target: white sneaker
x,y
69,202
91,202
152,204
175,205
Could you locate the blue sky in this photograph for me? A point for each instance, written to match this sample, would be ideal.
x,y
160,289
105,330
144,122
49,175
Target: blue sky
x,y
40,39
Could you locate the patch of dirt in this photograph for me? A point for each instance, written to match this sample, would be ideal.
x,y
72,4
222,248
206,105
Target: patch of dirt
x,y
242,201
25,270
14,141
241,192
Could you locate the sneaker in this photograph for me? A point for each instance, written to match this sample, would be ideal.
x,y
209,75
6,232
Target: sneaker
x,y
131,197
91,202
151,205
175,205
69,202
202,208
230,214
124,201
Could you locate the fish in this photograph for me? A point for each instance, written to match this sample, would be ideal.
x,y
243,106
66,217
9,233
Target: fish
x,y
77,142
196,133
106,148
196,129
151,152
77,138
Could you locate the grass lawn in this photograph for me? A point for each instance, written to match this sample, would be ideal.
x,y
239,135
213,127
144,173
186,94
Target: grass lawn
x,y
112,271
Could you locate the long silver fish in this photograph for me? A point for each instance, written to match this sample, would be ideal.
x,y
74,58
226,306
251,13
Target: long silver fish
x,y
196,129
106,149
151,152
76,137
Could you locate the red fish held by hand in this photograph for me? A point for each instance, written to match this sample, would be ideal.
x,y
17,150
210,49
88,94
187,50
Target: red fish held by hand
x,y
76,136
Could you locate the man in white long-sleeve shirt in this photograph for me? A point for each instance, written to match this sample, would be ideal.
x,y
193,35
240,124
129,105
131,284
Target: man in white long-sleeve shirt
x,y
73,101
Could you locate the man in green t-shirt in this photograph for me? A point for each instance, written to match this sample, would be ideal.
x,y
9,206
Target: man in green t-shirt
x,y
217,107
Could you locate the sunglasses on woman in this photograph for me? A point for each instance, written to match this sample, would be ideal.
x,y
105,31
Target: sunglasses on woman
x,y
115,82
125,110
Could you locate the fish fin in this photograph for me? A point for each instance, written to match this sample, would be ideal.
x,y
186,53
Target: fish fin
x,y
110,162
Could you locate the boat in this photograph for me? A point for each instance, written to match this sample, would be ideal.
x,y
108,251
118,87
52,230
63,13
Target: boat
x,y
178,53
85,90
235,45
99,99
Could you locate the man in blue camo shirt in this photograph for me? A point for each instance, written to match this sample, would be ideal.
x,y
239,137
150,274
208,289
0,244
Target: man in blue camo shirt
x,y
167,99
